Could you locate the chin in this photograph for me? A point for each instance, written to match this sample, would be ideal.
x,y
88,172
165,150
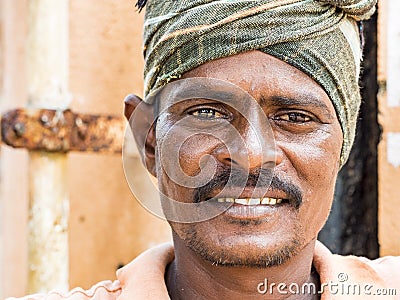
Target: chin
x,y
244,247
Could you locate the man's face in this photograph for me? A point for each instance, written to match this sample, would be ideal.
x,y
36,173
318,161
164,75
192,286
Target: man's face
x,y
305,138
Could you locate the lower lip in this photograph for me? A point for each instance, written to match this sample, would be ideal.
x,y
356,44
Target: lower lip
x,y
252,212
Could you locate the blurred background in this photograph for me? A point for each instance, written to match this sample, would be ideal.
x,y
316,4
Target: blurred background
x,y
68,218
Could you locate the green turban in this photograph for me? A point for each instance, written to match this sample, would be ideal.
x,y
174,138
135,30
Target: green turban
x,y
318,37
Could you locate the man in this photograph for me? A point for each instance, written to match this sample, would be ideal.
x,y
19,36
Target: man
x,y
249,113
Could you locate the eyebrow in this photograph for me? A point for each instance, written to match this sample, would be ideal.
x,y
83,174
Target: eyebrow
x,y
304,101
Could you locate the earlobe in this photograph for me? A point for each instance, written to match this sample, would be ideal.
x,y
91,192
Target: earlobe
x,y
141,120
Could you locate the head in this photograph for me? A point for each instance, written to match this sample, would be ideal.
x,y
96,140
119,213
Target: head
x,y
276,133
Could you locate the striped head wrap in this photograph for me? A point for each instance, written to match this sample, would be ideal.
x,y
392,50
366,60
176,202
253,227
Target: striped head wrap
x,y
318,37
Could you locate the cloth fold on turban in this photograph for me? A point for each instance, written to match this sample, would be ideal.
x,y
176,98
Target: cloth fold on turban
x,y
318,37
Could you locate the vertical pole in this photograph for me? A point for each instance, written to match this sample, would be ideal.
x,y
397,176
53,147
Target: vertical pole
x,y
47,68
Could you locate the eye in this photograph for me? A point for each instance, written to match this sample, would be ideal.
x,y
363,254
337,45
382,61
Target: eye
x,y
295,117
207,113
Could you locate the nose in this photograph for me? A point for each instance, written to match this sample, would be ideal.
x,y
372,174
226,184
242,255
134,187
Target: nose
x,y
253,148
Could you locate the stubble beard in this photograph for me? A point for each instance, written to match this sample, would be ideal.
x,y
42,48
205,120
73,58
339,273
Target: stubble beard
x,y
231,255
219,255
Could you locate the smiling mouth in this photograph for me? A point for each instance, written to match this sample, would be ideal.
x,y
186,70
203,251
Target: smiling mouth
x,y
253,201
256,209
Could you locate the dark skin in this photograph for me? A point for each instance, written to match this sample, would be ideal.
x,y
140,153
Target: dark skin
x,y
222,258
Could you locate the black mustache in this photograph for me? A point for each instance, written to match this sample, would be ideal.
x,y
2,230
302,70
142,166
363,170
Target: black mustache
x,y
257,179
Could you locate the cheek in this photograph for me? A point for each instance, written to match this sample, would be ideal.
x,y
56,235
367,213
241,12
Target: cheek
x,y
195,155
181,149
315,157
184,163
315,163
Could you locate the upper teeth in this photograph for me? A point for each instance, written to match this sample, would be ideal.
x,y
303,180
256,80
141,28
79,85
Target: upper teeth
x,y
252,201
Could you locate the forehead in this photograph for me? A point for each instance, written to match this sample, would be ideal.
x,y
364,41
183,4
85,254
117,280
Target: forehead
x,y
263,75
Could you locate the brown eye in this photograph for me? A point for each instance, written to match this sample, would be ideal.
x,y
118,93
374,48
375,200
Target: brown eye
x,y
295,117
207,113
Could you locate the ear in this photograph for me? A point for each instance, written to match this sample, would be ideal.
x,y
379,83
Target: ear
x,y
142,122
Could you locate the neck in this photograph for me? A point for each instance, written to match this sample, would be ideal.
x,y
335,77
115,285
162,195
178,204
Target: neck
x,y
191,277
